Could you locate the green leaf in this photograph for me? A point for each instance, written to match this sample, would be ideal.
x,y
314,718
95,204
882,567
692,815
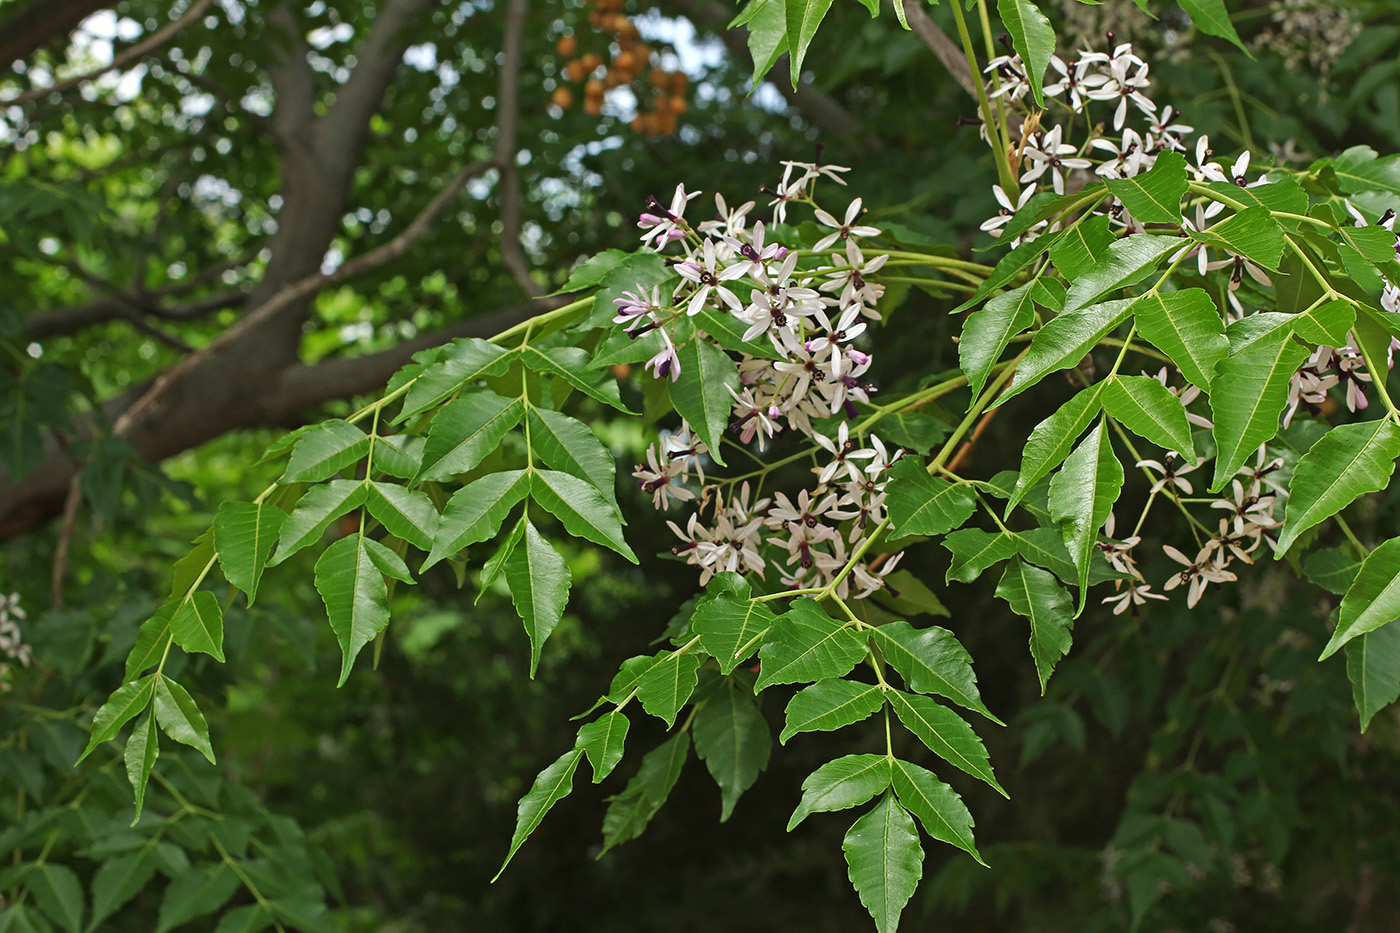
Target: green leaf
x,y
1010,265
405,513
324,451
389,563
974,550
630,812
151,641
1081,496
180,718
1064,341
1149,409
945,733
196,892
938,807
728,331
1034,39
142,750
915,430
58,893
803,17
1373,667
931,660
732,738
830,705
1211,18
1154,197
986,333
190,569
841,784
356,597
465,431
552,785
250,918
497,561
805,644
1248,394
1327,324
309,520
767,36
571,446
1128,261
1034,594
666,686
1347,462
1186,326
198,625
1051,440
1252,233
1045,547
906,594
118,881
726,623
305,914
458,365
1083,246
884,858
475,512
575,367
582,509
1373,599
244,533
539,581
1332,569
641,272
594,269
700,393
920,504
603,741
121,707
1358,169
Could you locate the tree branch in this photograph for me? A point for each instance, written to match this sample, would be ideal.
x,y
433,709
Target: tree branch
x,y
40,23
154,41
943,48
293,85
507,127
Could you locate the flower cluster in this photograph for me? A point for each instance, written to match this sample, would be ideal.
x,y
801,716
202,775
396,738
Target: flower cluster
x,y
810,306
13,649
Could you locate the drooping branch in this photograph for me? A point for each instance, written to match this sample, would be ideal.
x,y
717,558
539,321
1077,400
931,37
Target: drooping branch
x,y
72,319
943,48
40,23
154,41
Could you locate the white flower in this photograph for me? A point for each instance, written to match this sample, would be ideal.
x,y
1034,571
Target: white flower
x,y
1047,152
662,224
844,229
709,276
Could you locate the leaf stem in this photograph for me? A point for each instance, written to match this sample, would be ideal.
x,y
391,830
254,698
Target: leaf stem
x,y
994,136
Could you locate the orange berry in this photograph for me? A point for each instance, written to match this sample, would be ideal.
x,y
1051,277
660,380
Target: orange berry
x,y
615,78
594,88
639,123
660,78
679,81
566,46
575,70
562,98
593,106
678,105
626,61
591,61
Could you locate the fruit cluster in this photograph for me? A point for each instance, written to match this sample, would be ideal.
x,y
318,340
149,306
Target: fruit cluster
x,y
660,102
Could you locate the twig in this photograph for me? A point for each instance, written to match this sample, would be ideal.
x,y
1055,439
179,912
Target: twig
x,y
65,539
943,48
507,125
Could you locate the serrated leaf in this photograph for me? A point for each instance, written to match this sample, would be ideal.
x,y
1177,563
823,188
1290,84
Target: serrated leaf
x,y
932,660
986,333
728,331
938,807
912,429
1034,594
476,511
142,750
1045,547
121,707
1373,667
1154,197
180,718
803,17
571,446
603,741
1252,233
1372,600
250,918
196,892
539,581
884,858
405,513
732,738
920,504
1009,266
1187,327
830,705
1327,324
198,625
841,784
305,914
1128,261
314,513
700,394
945,733
58,893
1248,394
1082,246
191,568
974,550
1149,409
1032,37
667,685
726,623
1332,569
118,881
574,366
1211,18
459,364
151,641
767,36
630,812
582,509
909,596
356,597
551,785
324,451
594,270
805,644
1358,169
1064,341
244,533
464,431
1347,462
1052,440
1081,496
